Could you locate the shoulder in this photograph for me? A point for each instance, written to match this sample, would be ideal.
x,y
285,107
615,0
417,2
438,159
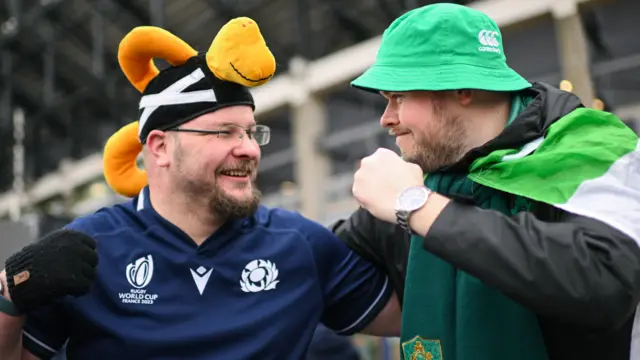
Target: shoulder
x,y
320,239
105,220
281,219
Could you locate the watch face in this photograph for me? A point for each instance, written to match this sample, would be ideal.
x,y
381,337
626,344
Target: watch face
x,y
413,198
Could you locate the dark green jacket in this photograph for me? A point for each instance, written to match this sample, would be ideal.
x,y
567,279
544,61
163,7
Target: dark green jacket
x,y
580,276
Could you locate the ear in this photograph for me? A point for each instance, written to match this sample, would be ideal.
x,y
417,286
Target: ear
x,y
119,162
158,149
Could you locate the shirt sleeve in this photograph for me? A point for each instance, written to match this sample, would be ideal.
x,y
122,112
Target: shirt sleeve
x,y
46,330
384,244
575,269
355,290
359,233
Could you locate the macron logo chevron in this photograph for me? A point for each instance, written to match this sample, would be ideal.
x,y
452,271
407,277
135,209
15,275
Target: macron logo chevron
x,y
201,277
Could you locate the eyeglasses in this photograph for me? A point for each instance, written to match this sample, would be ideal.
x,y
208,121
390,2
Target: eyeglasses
x,y
261,134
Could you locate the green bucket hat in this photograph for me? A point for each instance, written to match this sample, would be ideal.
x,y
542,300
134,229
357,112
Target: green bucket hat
x,y
441,47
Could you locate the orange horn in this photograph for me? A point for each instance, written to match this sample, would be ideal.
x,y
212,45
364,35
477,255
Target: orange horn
x,y
141,45
119,162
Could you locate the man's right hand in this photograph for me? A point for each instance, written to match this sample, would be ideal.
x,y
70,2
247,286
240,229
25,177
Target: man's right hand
x,y
60,264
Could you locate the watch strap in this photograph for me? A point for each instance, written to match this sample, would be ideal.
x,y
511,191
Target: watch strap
x,y
402,218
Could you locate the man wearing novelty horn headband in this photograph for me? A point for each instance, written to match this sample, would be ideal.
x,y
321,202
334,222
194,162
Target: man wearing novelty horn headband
x,y
192,267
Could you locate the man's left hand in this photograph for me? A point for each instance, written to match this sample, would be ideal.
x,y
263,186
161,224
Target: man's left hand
x,y
380,179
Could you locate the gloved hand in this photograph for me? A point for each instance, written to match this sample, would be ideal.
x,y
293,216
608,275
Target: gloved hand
x,y
61,263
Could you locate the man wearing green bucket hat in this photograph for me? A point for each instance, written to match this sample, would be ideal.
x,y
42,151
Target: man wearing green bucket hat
x,y
522,205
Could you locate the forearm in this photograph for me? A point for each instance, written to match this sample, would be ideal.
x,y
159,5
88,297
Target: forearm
x,y
11,337
10,329
422,220
388,322
579,270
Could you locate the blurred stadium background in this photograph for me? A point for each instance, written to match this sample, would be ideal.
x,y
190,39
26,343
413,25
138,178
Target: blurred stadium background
x,y
62,93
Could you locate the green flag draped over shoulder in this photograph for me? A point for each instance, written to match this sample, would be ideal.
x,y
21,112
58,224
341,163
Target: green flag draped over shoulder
x,y
587,163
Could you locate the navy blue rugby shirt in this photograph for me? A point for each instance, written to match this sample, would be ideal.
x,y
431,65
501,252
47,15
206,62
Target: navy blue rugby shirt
x,y
256,289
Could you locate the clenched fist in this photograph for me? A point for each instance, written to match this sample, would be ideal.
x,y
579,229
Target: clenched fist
x,y
380,179
60,264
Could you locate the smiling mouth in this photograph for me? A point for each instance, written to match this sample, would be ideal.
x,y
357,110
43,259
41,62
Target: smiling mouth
x,y
246,78
397,134
236,174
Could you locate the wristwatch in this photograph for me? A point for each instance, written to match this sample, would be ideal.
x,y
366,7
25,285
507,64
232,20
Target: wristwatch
x,y
410,200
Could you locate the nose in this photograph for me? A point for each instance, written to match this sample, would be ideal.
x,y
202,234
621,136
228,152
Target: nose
x,y
390,117
247,149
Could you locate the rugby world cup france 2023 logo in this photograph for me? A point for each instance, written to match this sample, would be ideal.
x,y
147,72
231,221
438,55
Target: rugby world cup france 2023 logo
x,y
139,274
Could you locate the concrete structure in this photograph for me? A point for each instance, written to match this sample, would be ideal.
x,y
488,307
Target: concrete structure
x,y
313,153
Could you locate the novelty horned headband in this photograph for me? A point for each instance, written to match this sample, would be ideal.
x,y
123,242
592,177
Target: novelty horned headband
x,y
195,84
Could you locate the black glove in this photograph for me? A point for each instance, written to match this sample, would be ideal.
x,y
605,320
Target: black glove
x,y
61,263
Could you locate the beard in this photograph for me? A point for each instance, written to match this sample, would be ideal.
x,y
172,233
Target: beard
x,y
222,204
208,191
443,144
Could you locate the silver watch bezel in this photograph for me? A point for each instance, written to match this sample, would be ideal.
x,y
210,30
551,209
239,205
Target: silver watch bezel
x,y
423,189
403,213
